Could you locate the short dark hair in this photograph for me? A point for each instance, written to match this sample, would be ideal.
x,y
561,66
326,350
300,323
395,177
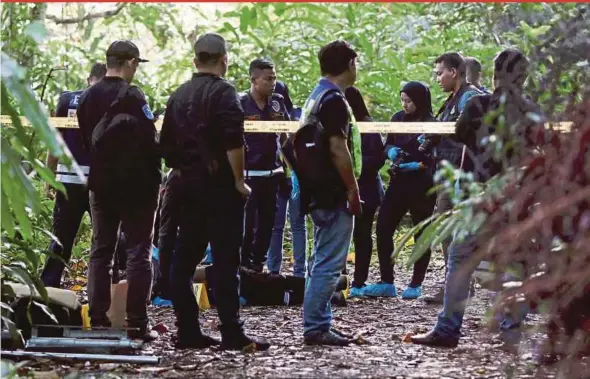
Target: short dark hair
x,y
98,70
335,57
114,62
473,64
453,60
261,64
511,65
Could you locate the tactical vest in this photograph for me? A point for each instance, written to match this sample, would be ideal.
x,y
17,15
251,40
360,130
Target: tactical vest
x,y
354,135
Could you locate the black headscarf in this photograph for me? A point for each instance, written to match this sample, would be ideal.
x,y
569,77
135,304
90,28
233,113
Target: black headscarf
x,y
420,95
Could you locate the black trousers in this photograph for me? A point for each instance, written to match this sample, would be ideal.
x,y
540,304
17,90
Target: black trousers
x,y
170,205
210,212
363,245
67,216
135,219
406,192
260,218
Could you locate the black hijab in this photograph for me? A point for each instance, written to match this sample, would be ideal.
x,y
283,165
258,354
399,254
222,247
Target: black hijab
x,y
420,95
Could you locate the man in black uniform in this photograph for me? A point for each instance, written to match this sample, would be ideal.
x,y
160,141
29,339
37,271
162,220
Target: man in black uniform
x,y
123,191
263,169
202,139
69,207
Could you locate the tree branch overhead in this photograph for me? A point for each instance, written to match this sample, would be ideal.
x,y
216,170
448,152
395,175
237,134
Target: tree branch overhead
x,y
89,16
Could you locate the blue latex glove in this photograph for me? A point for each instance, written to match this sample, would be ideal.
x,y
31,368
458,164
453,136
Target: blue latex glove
x,y
410,166
393,152
421,138
294,186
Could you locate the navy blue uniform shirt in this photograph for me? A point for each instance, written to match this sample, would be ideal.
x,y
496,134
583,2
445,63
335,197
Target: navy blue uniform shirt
x,y
262,149
67,106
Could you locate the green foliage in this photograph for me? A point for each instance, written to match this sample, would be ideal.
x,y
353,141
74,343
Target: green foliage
x,y
22,207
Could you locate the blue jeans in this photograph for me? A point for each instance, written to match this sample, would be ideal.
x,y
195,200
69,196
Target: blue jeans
x,y
332,235
297,220
459,271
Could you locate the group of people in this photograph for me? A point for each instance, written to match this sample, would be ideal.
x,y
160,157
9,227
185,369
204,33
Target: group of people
x,y
228,191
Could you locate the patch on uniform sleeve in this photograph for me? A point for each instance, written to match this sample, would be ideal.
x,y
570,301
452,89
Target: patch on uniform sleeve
x,y
147,112
275,105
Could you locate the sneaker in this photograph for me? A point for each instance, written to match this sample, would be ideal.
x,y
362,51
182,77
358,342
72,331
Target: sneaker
x,y
194,341
245,344
325,338
412,293
357,291
437,298
380,290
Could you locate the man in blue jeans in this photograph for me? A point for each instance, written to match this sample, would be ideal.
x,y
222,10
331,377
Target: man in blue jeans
x,y
510,72
288,201
335,202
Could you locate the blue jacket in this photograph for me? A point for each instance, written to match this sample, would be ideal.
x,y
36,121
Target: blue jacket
x,y
262,149
67,106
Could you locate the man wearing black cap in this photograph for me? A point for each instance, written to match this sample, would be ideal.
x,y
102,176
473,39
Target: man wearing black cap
x,y
118,129
202,139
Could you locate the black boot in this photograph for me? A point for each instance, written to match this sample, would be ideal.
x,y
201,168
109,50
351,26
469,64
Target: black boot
x,y
143,331
244,343
325,338
433,338
194,340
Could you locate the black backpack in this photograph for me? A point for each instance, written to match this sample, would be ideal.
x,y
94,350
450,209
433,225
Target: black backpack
x,y
307,153
121,150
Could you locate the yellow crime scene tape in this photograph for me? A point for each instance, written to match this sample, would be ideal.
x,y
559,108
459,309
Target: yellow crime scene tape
x,y
291,126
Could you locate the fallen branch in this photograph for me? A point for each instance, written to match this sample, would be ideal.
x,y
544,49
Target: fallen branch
x,y
89,16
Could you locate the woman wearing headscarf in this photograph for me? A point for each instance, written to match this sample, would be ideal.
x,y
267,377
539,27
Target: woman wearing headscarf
x,y
407,191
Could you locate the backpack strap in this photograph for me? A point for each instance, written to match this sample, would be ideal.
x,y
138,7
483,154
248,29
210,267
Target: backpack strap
x,y
318,104
120,96
104,121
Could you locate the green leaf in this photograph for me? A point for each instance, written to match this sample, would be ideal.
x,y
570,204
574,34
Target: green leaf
x,y
7,219
425,239
244,19
6,307
47,311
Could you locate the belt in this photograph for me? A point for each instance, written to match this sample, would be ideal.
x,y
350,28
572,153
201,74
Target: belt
x,y
66,175
263,173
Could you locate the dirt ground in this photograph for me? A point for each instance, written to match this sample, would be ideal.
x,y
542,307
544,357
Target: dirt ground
x,y
383,323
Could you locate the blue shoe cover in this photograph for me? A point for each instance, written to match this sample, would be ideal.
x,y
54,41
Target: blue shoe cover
x,y
380,290
159,302
412,292
357,291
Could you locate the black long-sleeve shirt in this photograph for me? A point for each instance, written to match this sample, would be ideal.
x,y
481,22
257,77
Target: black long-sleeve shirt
x,y
217,118
94,103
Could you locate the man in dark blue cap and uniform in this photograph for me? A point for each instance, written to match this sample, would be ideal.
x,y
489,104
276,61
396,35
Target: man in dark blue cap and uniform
x,y
202,139
124,180
263,168
69,207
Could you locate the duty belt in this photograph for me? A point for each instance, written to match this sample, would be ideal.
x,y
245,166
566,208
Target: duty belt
x,y
66,175
263,173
